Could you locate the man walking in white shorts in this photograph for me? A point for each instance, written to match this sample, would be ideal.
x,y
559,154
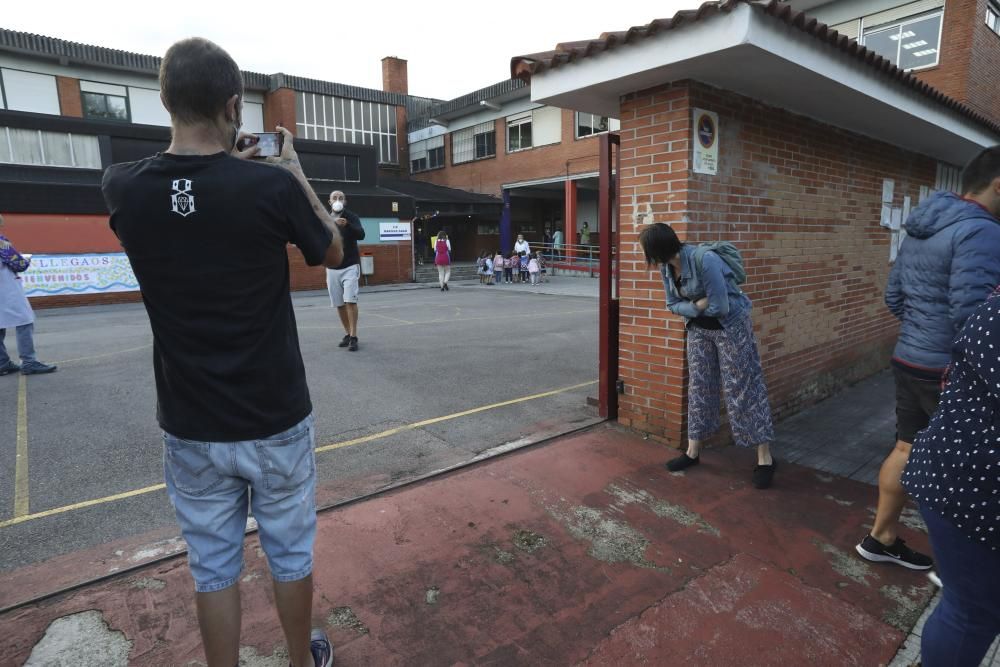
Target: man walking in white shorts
x,y
342,282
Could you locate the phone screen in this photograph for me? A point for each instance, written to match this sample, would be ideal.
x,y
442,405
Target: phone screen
x,y
270,144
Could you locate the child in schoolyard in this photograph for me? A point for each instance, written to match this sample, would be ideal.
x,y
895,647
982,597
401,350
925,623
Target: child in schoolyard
x,y
481,268
524,267
488,269
541,265
498,263
510,268
534,270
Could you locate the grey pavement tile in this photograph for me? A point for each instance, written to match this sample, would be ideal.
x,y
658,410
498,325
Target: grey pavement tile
x,y
817,437
993,655
909,653
919,627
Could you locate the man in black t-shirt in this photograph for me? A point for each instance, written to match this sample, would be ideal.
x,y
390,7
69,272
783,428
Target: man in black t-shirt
x,y
206,230
342,281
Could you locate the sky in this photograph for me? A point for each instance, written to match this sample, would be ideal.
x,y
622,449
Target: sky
x,y
453,47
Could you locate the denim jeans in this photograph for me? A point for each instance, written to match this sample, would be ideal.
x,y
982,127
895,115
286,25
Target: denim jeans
x,y
211,485
25,344
967,620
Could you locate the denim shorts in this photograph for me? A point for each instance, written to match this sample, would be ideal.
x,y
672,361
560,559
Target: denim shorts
x,y
211,485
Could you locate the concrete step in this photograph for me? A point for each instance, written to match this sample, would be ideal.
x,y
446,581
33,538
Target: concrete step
x,y
428,273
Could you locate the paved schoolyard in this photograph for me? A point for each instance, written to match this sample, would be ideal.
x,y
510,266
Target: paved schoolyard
x,y
395,411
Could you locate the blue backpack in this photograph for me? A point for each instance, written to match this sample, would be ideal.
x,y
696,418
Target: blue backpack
x,y
729,254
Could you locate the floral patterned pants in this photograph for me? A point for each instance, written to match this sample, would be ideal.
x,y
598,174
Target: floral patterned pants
x,y
728,357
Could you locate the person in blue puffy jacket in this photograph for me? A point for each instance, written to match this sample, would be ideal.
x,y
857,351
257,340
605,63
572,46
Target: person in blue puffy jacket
x,y
947,267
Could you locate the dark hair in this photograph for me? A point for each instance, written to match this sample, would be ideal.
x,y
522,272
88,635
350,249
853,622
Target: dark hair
x,y
197,78
983,169
660,243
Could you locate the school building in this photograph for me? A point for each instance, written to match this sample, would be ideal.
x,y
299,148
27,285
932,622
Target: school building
x,y
69,110
758,123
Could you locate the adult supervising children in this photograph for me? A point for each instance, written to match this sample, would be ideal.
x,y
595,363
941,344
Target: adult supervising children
x,y
343,281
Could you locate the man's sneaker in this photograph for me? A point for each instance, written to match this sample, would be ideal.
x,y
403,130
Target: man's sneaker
x,y
763,475
900,554
681,462
354,344
37,368
322,649
8,368
345,342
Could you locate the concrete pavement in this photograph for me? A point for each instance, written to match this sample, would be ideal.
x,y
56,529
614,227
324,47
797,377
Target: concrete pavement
x,y
435,385
584,550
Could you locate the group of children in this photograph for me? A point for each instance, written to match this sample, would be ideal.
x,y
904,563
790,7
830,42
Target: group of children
x,y
518,268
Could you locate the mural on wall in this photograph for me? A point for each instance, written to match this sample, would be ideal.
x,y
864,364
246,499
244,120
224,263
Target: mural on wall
x,y
50,275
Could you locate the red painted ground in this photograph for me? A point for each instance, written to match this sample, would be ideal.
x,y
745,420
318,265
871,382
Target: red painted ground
x,y
583,550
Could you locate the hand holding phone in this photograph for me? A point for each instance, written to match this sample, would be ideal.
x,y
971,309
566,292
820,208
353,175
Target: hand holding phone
x,y
268,144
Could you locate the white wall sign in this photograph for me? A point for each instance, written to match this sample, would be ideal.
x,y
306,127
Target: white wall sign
x,y
706,142
393,231
50,275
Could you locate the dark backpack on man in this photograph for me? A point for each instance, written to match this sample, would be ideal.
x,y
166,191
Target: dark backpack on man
x,y
729,253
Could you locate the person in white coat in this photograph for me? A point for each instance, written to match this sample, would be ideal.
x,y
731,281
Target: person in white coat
x,y
15,312
522,246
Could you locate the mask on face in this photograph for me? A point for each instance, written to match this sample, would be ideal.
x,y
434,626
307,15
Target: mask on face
x,y
338,206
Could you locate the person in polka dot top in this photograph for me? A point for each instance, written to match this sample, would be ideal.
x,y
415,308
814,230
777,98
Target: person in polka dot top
x,y
954,473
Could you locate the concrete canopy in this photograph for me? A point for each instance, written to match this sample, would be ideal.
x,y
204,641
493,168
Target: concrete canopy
x,y
755,54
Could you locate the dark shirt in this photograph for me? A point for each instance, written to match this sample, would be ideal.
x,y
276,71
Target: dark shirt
x,y
352,232
207,239
954,466
702,321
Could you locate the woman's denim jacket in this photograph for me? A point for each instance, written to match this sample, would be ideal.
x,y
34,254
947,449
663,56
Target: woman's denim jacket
x,y
726,301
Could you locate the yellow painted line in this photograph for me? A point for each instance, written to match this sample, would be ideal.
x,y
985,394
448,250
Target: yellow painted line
x,y
438,420
80,506
325,448
391,319
101,356
21,462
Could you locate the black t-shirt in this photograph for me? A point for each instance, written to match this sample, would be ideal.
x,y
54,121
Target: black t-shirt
x,y
207,236
351,233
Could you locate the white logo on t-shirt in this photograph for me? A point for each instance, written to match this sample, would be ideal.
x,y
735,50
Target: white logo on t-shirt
x,y
182,199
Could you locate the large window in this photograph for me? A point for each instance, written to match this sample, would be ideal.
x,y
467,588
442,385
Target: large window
x,y
28,91
519,133
474,143
325,167
104,101
427,154
52,149
104,107
351,121
588,124
993,16
912,43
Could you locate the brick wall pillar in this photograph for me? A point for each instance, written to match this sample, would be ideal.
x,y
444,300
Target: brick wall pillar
x,y
279,107
70,103
653,188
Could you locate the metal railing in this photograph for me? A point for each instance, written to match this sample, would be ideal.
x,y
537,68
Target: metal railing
x,y
570,257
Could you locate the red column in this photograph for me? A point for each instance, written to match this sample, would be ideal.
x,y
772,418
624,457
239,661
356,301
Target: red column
x,y
569,226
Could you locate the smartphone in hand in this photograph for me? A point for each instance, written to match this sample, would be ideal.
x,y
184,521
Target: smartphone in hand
x,y
270,143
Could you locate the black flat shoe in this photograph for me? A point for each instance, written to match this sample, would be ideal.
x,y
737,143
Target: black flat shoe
x,y
682,462
763,475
